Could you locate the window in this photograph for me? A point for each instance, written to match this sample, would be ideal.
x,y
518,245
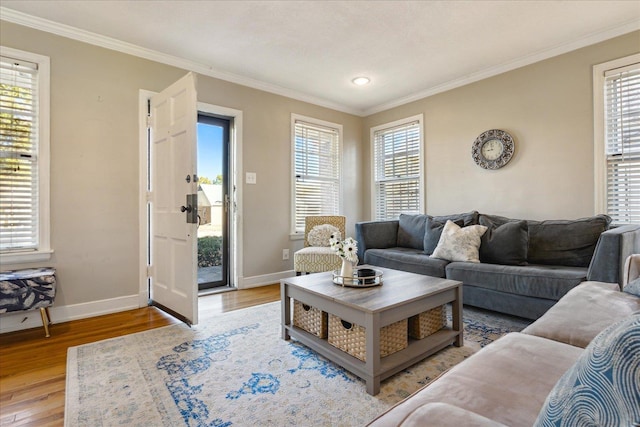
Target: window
x,y
397,168
316,165
619,118
24,156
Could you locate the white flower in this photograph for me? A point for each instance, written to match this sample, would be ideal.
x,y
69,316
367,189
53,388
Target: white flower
x,y
350,248
347,249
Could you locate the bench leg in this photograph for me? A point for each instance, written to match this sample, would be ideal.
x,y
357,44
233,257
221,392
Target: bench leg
x,y
46,320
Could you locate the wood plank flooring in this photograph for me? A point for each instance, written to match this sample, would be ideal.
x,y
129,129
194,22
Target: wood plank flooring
x,y
33,368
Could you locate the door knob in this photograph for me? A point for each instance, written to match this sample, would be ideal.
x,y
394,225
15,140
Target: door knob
x,y
186,209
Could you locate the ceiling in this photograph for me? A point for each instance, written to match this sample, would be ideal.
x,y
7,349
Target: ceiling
x,y
311,50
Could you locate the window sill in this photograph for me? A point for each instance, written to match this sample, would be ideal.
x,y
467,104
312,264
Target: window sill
x,y
25,257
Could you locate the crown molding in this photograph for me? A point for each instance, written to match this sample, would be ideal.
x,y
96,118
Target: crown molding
x,y
74,33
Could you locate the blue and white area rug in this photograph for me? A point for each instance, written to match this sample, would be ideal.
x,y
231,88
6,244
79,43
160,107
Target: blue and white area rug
x,y
235,370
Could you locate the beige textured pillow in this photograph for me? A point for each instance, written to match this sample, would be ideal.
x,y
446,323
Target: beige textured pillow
x,y
459,243
320,235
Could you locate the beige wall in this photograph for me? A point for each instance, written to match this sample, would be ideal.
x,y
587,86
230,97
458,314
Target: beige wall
x,y
547,107
95,164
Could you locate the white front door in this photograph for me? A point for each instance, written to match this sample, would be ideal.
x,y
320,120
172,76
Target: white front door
x,y
173,240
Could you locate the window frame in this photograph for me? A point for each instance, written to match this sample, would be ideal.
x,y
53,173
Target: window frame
x,y
296,234
599,129
44,250
421,175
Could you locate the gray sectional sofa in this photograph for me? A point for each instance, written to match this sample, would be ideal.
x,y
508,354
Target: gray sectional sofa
x,y
525,266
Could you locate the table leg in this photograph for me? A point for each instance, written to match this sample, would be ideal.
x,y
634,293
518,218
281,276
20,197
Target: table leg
x,y
372,353
373,385
285,304
456,313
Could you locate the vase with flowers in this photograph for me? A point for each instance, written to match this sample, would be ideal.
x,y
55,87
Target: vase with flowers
x,y
346,249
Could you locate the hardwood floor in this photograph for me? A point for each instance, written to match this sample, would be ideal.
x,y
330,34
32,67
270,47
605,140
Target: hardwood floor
x,y
33,368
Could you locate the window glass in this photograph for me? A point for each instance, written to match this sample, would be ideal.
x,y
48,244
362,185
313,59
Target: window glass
x,y
397,170
24,152
316,164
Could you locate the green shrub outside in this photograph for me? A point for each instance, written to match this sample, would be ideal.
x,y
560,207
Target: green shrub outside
x,y
209,251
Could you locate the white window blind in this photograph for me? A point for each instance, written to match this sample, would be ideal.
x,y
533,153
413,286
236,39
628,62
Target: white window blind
x,y
317,171
622,143
397,170
18,155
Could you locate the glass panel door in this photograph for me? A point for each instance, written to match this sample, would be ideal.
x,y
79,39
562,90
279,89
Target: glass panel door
x,y
213,202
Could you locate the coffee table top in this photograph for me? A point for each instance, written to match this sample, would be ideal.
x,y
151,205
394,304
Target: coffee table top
x,y
398,288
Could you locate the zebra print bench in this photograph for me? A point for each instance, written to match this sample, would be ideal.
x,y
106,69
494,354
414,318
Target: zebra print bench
x,y
30,289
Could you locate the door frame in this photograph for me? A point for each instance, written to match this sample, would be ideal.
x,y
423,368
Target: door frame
x,y
235,178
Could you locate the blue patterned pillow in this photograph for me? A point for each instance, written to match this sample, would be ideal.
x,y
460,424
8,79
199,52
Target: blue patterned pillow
x,y
603,387
633,287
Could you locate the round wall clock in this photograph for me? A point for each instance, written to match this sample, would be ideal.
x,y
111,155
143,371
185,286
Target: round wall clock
x,y
493,149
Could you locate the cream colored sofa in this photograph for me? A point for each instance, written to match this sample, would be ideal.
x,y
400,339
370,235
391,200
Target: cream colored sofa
x,y
507,382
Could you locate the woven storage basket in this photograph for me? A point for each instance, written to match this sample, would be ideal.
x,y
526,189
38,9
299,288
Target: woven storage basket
x,y
310,319
350,337
426,323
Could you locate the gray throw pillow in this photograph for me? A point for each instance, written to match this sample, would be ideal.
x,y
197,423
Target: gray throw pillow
x,y
411,231
504,243
570,242
468,218
433,230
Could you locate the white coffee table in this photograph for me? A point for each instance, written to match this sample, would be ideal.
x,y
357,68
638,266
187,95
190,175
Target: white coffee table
x,y
401,296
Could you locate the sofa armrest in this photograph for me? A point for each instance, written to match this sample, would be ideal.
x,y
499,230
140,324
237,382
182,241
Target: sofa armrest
x,y
612,250
376,235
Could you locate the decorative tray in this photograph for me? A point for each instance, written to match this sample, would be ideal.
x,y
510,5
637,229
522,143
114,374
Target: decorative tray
x,y
362,278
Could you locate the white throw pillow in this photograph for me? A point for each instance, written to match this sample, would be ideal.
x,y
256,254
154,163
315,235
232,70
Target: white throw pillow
x,y
320,235
459,243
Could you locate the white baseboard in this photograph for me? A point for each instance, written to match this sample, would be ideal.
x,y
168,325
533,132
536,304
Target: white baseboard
x,y
20,320
265,279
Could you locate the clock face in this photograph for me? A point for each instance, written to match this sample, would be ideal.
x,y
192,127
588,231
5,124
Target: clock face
x,y
493,149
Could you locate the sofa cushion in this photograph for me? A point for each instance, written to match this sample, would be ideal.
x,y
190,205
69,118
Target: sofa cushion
x,y
411,227
565,242
603,387
633,287
468,218
501,382
446,416
459,244
504,242
516,305
541,281
405,259
583,313
433,231
411,231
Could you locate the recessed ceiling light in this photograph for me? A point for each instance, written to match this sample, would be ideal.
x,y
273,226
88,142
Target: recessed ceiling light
x,y
360,81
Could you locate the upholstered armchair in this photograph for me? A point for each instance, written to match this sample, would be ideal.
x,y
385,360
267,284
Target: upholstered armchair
x,y
317,255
